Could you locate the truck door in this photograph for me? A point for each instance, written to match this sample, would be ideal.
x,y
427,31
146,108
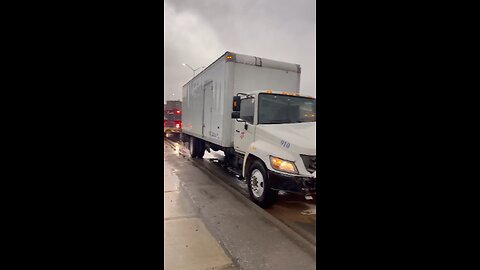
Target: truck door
x,y
207,109
244,136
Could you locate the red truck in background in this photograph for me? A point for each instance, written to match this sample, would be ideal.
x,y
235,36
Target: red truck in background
x,y
172,118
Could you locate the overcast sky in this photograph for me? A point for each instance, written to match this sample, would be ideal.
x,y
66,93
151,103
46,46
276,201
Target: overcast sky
x,y
197,32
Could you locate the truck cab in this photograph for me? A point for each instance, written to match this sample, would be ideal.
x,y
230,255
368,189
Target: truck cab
x,y
274,141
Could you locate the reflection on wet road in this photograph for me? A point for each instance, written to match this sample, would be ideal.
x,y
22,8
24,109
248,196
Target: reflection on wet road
x,y
298,214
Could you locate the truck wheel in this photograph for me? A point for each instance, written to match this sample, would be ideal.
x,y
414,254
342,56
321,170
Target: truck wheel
x,y
183,137
201,148
259,186
192,145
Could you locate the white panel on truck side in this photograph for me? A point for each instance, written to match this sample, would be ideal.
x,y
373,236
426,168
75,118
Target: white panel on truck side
x,y
251,78
192,115
205,89
207,109
217,125
228,83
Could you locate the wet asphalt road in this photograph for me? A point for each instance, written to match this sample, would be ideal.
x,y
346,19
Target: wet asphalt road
x,y
293,210
252,238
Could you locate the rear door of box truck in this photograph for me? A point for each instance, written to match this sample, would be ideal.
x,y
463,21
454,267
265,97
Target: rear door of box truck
x,y
204,105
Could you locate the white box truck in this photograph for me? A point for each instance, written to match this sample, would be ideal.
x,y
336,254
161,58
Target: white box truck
x,y
250,108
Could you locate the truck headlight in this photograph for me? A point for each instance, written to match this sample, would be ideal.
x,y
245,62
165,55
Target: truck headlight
x,y
283,165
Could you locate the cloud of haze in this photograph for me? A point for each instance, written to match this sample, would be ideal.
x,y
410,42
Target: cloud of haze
x,y
198,32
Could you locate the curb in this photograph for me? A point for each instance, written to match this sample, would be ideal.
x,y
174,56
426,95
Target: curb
x,y
234,264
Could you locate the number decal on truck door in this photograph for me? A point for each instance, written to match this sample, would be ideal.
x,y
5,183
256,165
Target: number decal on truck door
x,y
285,144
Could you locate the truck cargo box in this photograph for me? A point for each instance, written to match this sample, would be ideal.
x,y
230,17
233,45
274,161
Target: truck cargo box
x,y
207,98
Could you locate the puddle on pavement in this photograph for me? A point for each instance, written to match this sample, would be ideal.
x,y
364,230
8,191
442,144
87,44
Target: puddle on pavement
x,y
310,228
309,212
294,208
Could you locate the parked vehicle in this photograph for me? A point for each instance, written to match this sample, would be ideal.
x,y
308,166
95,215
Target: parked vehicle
x,y
172,118
268,133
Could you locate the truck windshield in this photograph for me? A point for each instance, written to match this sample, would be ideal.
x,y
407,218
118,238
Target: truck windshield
x,y
281,109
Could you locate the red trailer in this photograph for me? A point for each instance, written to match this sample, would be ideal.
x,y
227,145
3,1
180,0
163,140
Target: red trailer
x,y
172,120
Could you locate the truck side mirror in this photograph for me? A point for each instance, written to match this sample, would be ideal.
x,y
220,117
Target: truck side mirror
x,y
235,114
236,104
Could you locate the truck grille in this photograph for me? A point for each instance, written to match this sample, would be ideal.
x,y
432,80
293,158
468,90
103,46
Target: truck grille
x,y
310,162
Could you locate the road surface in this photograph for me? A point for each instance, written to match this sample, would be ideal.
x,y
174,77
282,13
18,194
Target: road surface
x,y
294,211
248,236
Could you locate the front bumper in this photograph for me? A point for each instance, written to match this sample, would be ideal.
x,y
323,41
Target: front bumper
x,y
296,184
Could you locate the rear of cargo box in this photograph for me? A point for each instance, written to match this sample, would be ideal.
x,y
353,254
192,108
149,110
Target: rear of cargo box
x,y
203,103
207,98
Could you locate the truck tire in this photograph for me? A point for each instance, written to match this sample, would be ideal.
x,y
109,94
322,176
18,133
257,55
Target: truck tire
x,y
192,146
183,137
201,148
197,147
259,185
